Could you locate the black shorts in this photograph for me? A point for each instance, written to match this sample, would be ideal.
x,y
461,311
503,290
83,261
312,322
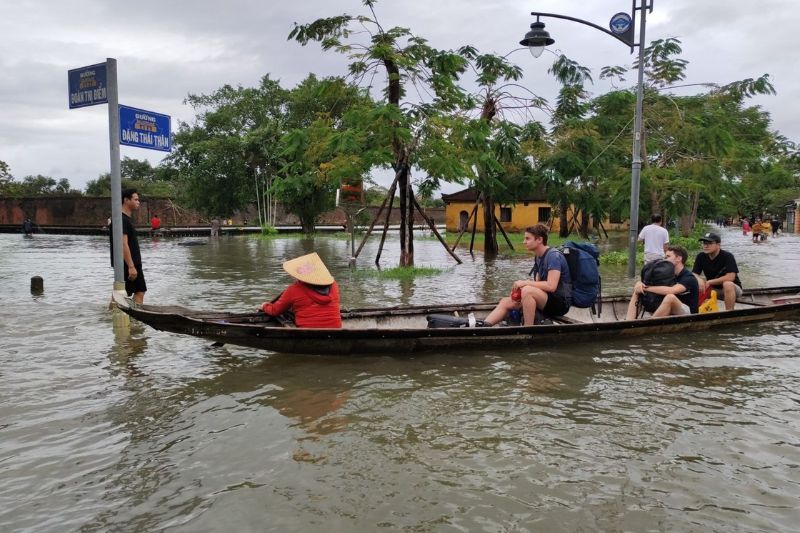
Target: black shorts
x,y
137,285
556,305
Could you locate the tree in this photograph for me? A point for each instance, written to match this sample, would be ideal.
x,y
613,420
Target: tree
x,y
38,185
137,174
223,157
491,143
6,179
323,146
402,125
695,148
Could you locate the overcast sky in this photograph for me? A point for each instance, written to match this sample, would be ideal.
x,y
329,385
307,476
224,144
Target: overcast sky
x,y
166,50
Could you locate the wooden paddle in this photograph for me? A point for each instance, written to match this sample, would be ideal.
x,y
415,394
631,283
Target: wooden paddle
x,y
218,344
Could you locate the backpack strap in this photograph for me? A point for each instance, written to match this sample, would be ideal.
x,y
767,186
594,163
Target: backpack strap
x,y
537,265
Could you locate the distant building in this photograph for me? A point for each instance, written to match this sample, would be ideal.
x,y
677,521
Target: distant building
x,y
528,211
791,224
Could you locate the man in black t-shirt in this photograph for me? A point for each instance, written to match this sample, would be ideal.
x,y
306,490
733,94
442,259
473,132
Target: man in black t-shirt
x,y
680,298
132,269
720,270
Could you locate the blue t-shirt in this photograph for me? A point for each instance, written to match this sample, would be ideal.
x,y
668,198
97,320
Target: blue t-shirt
x,y
554,260
692,294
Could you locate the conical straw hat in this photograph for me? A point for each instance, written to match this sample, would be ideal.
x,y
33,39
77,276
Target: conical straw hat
x,y
308,269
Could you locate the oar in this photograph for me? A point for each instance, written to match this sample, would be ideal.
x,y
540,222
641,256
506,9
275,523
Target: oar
x,y
218,344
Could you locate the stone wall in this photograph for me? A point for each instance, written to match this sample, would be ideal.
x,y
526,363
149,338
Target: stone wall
x,y
95,211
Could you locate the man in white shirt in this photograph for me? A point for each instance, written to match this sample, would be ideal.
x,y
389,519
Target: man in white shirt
x,y
655,239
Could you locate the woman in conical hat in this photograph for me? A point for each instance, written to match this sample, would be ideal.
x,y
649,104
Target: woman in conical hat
x,y
313,297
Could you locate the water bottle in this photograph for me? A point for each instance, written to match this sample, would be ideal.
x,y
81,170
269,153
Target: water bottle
x,y
514,317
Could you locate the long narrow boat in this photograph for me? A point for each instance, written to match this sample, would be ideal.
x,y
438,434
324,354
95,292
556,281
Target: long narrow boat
x,y
404,330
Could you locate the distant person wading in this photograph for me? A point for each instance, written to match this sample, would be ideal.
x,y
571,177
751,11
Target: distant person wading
x,y
655,238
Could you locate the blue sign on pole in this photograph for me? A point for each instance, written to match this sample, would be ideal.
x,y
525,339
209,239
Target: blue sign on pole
x,y
87,86
620,23
144,129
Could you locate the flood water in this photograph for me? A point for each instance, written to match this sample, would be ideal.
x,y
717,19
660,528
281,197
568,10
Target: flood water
x,y
105,429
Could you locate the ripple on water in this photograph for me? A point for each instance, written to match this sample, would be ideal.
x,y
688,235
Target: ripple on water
x,y
102,429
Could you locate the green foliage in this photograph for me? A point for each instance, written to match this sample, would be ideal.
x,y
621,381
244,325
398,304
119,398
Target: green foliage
x,y
230,149
6,179
401,273
385,129
324,148
140,175
661,66
620,258
35,186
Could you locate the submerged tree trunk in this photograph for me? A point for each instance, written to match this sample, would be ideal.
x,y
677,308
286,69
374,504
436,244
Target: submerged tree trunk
x,y
490,247
686,224
584,224
406,218
402,171
563,225
692,213
655,202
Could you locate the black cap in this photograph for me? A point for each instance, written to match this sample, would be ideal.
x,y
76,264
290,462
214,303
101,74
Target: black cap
x,y
710,237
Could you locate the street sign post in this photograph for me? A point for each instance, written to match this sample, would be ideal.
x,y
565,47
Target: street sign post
x,y
94,85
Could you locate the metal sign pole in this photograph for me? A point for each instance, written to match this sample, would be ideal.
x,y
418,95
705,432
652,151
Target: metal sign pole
x,y
636,162
116,179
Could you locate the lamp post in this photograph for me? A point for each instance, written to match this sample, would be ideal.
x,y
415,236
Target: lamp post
x,y
622,28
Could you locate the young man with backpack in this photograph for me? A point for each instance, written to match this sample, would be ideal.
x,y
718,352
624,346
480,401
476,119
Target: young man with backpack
x,y
680,297
548,293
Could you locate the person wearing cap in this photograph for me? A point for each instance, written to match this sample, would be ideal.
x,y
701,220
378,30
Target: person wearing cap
x,y
719,269
655,238
313,297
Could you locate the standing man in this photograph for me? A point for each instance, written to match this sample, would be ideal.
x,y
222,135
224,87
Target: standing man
x,y
549,293
655,238
720,270
680,298
132,269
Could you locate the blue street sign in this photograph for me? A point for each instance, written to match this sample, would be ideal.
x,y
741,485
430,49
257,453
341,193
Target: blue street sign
x,y
620,23
144,129
87,86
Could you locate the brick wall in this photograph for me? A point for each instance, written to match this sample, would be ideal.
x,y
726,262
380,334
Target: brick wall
x,y
94,211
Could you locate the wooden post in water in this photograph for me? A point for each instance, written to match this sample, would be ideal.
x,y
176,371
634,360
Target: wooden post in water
x,y
37,285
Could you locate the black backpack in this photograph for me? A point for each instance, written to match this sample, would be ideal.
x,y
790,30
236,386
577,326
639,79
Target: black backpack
x,y
656,273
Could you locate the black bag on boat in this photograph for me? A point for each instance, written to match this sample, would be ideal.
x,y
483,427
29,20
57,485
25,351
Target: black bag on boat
x,y
446,321
659,273
450,321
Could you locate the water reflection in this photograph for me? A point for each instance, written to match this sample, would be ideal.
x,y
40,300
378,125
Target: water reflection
x,y
107,429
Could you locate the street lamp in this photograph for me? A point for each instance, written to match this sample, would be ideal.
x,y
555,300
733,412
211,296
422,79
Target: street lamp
x,y
621,27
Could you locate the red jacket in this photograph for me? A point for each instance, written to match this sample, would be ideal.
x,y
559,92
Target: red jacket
x,y
311,309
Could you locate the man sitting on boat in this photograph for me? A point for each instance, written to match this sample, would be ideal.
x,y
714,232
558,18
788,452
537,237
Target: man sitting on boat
x,y
681,298
719,268
313,298
548,293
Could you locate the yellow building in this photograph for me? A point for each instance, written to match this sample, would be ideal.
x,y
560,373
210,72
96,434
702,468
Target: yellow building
x,y
513,217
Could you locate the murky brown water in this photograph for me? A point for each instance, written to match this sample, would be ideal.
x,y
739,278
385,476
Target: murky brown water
x,y
143,430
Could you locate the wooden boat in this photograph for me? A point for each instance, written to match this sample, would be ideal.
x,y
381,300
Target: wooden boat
x,y
404,330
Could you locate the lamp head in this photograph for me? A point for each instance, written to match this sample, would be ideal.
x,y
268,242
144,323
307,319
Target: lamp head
x,y
537,39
